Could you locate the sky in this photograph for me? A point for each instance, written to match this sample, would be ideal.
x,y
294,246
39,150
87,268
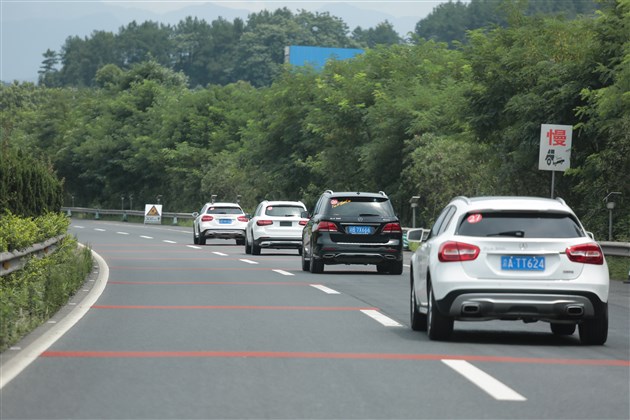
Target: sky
x,y
30,27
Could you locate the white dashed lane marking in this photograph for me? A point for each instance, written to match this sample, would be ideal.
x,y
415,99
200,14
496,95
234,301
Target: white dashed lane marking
x,y
487,383
284,273
122,233
169,242
220,254
377,316
146,237
249,261
325,289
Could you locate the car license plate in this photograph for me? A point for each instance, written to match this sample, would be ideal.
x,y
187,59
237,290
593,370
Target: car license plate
x,y
359,230
285,223
522,263
225,221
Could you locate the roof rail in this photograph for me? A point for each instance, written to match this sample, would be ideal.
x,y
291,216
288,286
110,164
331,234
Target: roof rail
x,y
561,201
328,191
463,198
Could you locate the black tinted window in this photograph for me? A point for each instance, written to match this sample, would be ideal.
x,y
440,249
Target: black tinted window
x,y
520,225
283,211
359,206
224,210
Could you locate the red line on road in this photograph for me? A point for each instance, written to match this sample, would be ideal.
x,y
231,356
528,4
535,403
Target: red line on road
x,y
321,355
265,283
275,308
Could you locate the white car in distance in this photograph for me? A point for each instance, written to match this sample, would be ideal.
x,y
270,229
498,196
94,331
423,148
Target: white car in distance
x,y
277,225
220,221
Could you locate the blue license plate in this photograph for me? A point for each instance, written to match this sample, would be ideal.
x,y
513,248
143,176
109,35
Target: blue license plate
x,y
522,263
225,221
359,230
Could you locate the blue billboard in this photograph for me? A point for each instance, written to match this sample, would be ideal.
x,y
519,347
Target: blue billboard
x,y
317,56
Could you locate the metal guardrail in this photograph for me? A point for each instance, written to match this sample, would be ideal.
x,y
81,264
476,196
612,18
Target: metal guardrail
x,y
15,260
617,249
111,212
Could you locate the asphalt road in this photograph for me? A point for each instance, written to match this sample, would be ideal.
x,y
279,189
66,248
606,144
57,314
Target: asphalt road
x,y
183,331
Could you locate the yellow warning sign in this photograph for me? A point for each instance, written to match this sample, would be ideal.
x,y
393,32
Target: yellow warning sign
x,y
153,213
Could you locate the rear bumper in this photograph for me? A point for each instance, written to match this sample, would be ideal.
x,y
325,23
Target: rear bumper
x,y
280,243
336,253
224,233
521,304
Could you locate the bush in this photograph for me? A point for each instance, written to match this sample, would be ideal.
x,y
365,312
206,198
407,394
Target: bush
x,y
18,233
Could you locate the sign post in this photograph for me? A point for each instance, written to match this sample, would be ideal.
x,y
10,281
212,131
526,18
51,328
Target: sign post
x,y
555,150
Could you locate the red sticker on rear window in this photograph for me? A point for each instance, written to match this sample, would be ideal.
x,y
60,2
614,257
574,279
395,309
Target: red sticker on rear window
x,y
474,218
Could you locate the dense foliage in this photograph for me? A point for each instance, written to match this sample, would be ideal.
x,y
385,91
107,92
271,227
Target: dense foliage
x,y
409,119
28,186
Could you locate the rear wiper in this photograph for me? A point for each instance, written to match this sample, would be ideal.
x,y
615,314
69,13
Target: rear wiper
x,y
516,233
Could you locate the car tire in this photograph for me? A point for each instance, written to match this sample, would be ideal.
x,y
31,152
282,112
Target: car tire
x,y
248,247
418,319
306,264
195,238
317,266
595,331
562,329
202,240
396,267
240,241
382,268
255,248
299,251
439,327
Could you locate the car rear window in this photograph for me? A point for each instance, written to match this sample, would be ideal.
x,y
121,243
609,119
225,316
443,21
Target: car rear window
x,y
520,225
284,211
224,210
359,206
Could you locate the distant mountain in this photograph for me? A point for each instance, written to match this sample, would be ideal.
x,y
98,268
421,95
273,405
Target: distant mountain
x,y
30,28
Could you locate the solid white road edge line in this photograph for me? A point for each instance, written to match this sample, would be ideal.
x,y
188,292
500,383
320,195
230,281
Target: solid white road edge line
x,y
284,273
487,383
325,289
30,353
376,315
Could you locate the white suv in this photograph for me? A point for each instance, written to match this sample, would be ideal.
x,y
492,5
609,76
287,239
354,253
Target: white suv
x,y
510,258
219,220
275,224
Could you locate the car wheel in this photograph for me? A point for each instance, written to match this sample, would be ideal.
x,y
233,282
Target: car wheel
x,y
195,238
418,320
240,241
595,331
439,327
202,240
248,246
382,268
396,267
562,329
306,264
255,248
299,251
317,266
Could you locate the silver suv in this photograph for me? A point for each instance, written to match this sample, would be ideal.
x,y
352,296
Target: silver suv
x,y
510,258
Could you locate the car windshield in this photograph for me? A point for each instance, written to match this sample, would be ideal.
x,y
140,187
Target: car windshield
x,y
520,225
359,206
284,211
224,210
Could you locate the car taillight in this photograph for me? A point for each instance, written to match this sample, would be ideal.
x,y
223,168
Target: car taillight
x,y
303,222
243,219
326,227
457,251
207,218
392,228
264,222
586,254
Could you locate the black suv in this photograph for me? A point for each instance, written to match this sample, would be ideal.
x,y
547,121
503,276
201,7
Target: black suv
x,y
353,228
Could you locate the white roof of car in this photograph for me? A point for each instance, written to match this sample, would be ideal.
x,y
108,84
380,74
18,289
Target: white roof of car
x,y
284,203
223,205
515,203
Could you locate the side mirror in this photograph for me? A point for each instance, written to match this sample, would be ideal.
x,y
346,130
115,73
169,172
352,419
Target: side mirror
x,y
305,215
590,235
195,214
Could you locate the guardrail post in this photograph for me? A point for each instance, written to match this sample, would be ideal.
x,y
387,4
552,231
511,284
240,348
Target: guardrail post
x,y
124,217
174,220
97,216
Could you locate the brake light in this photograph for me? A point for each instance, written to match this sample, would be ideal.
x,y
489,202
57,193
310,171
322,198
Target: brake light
x,y
264,222
586,254
326,227
392,228
303,222
206,218
457,251
243,219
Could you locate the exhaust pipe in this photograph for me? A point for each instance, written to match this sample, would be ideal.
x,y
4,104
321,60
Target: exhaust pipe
x,y
471,308
575,310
